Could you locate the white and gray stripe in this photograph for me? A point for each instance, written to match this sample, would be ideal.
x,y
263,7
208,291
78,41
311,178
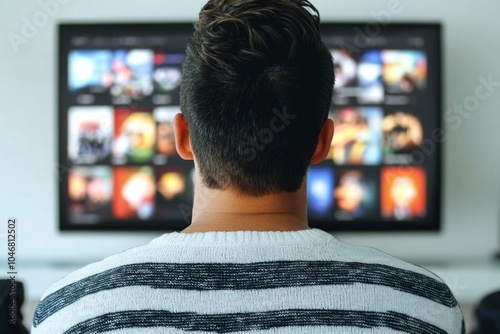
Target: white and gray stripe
x,y
234,322
335,290
371,298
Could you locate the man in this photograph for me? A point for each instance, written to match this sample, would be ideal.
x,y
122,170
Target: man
x,y
257,87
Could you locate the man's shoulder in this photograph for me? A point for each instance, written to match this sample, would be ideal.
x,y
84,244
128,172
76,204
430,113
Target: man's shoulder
x,y
411,289
88,280
379,270
365,254
130,257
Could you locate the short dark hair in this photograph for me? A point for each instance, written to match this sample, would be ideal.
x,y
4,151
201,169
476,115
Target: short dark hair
x,y
256,90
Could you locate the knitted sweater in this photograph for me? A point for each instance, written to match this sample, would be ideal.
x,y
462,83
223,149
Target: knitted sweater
x,y
249,282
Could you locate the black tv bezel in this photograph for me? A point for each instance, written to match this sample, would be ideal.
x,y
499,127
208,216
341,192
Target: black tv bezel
x,y
434,225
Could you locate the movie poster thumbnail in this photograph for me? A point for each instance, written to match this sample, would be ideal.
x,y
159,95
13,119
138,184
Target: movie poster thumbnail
x,y
371,87
358,136
358,77
404,71
320,182
174,186
90,193
134,193
90,71
165,139
132,75
90,133
134,136
167,77
402,133
404,193
356,195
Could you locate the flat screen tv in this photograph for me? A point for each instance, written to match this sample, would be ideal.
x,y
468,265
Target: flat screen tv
x,y
118,92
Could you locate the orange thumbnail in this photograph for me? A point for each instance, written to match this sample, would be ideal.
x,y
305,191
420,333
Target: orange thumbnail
x,y
404,192
134,190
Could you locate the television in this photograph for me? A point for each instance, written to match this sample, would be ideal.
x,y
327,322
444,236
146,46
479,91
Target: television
x,y
118,92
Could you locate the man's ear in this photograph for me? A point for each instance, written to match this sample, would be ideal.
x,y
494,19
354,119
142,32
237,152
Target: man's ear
x,y
182,140
324,142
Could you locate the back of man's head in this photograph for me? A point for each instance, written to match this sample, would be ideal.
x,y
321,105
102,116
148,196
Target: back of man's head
x,y
256,91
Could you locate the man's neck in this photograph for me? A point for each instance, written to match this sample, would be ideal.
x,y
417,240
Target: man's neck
x,y
228,211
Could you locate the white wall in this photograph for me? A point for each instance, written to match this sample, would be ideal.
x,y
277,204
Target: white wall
x,y
28,127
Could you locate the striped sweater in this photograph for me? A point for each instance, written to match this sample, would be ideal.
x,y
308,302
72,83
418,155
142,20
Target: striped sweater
x,y
249,282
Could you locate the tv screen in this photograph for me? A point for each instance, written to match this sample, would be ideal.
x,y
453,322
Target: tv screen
x,y
119,91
